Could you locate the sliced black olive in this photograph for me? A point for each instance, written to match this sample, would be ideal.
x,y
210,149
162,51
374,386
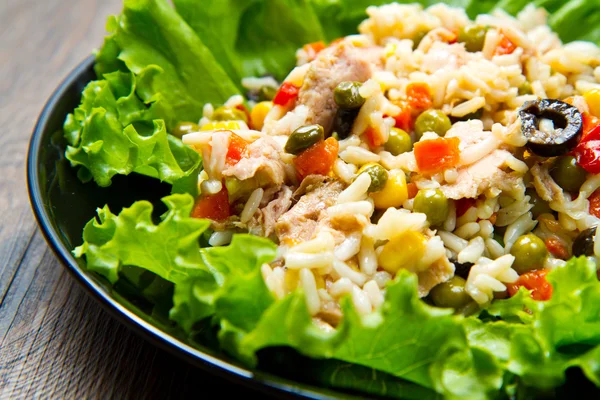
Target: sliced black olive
x,y
462,269
583,245
567,127
343,121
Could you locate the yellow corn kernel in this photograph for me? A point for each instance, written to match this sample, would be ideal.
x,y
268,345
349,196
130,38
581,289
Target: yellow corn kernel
x,y
403,251
592,99
258,114
292,279
320,281
394,193
390,49
221,125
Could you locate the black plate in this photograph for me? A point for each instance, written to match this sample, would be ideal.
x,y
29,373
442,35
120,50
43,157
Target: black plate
x,y
62,205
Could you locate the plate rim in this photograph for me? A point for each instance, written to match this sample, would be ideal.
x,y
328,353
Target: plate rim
x,y
213,365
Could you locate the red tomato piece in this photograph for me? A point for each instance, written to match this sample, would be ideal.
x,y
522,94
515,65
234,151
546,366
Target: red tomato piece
x,y
535,281
587,154
236,150
213,206
287,93
317,159
419,95
463,205
556,248
594,200
436,155
591,127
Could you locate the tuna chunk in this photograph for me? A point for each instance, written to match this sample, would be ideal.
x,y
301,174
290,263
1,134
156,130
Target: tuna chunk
x,y
263,161
334,65
441,271
544,184
485,174
316,194
263,222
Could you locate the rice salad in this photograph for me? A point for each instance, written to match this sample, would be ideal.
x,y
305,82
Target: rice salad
x,y
401,147
405,210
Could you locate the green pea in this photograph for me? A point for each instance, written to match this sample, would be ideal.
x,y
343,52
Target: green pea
x,y
540,206
567,173
530,253
184,128
418,37
398,142
266,93
451,293
378,174
432,121
229,114
525,88
434,204
304,137
473,36
346,95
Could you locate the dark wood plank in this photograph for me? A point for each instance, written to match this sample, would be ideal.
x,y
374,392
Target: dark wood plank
x,y
55,341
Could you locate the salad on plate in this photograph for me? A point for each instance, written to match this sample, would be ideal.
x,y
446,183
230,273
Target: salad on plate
x,y
405,194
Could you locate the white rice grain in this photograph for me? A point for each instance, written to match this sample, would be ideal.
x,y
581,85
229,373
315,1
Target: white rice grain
x,y
357,207
220,238
358,155
473,251
309,285
345,271
382,278
356,191
252,205
349,247
453,242
524,224
361,301
468,230
341,287
295,260
374,294
367,259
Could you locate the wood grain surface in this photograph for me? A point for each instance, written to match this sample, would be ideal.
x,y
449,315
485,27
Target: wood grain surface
x,y
55,341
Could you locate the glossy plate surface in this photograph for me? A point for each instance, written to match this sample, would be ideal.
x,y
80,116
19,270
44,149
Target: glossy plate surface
x,y
62,205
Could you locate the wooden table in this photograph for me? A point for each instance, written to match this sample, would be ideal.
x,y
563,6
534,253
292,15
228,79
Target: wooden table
x,y
55,341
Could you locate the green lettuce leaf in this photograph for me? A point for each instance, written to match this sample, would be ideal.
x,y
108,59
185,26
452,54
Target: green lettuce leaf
x,y
175,71
169,249
252,38
113,132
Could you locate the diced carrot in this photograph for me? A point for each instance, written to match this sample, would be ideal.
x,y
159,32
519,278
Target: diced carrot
x,y
404,120
419,96
535,281
312,49
557,248
412,190
505,46
236,150
463,205
436,155
317,159
213,206
373,137
287,93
